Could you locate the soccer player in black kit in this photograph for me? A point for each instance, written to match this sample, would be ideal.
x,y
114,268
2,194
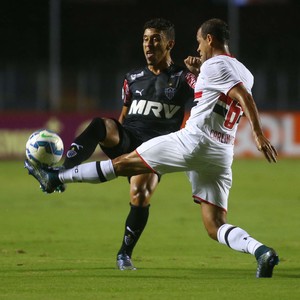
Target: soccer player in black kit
x,y
154,100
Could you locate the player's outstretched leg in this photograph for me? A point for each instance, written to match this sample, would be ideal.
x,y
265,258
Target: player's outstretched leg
x,y
85,144
51,179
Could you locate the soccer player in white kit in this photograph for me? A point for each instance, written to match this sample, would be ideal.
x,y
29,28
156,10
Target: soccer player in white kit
x,y
203,148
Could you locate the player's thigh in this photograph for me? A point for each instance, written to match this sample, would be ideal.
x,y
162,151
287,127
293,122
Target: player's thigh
x,y
163,154
127,141
211,185
112,133
142,187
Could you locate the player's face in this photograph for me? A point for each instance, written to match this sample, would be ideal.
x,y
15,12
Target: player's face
x,y
156,46
204,48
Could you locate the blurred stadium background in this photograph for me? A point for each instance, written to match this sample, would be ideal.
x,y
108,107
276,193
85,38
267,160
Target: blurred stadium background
x,y
63,61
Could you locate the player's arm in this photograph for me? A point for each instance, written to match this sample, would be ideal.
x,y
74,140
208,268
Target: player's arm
x,y
126,97
241,95
193,64
123,114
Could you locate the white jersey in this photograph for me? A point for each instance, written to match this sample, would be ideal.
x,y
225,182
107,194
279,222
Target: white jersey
x,y
215,116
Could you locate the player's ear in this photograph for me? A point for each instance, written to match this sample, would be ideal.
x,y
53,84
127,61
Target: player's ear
x,y
170,45
209,39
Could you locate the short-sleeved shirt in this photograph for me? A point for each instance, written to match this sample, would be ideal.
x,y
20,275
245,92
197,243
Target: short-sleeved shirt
x,y
157,102
204,147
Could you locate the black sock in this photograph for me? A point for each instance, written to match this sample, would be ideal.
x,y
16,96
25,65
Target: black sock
x,y
134,226
85,144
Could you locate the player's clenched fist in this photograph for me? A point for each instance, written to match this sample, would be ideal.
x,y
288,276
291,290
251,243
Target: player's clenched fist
x,y
193,63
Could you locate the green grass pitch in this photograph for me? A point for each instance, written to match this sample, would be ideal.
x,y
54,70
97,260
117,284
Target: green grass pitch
x,y
63,246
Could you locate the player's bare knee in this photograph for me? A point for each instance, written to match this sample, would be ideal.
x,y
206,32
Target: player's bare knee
x,y
140,195
137,201
139,198
110,125
112,133
109,122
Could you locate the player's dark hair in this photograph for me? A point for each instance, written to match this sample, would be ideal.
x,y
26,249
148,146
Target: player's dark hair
x,y
216,27
163,25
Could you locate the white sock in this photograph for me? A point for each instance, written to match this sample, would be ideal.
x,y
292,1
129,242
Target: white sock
x,y
237,239
107,169
93,172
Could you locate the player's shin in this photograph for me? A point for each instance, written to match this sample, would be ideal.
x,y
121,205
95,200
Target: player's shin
x,y
134,226
237,239
93,172
85,144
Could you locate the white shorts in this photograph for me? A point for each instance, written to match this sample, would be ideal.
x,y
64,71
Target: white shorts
x,y
168,154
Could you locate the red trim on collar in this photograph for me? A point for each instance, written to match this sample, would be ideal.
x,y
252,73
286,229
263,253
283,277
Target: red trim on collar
x,y
225,54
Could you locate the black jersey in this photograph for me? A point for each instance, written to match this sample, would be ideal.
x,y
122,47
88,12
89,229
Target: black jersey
x,y
156,102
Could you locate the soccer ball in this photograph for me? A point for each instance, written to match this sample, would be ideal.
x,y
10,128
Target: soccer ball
x,y
44,147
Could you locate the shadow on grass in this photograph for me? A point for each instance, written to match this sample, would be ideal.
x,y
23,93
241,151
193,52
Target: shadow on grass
x,y
156,273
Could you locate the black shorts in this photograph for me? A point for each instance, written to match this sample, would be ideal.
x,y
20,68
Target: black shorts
x,y
128,143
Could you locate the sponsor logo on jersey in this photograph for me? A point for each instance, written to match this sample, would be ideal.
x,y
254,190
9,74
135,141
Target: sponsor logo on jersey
x,y
135,76
139,92
144,107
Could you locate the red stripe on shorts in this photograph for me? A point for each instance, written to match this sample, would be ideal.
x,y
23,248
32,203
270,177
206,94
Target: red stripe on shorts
x,y
145,163
198,200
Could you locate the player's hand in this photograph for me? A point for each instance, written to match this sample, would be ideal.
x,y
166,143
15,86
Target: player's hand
x,y
193,63
264,146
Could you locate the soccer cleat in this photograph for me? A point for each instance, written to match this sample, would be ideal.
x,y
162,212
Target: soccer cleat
x,y
265,264
61,188
124,262
46,176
